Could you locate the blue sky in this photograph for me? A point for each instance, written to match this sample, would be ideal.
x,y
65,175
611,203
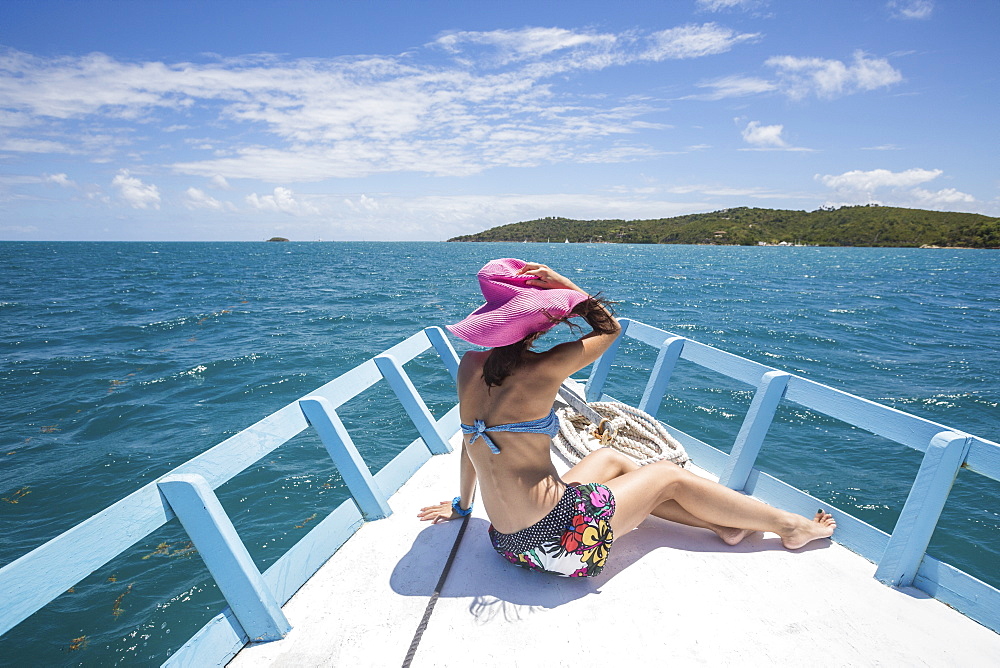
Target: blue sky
x,y
422,120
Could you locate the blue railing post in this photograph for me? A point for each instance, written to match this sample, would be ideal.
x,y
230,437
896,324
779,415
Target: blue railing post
x,y
413,404
444,348
755,425
324,419
919,517
599,372
213,534
659,377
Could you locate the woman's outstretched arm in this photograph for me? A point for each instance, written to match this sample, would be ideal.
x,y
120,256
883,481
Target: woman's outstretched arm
x,y
443,511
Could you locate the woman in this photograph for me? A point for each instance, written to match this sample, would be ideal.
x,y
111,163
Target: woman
x,y
505,396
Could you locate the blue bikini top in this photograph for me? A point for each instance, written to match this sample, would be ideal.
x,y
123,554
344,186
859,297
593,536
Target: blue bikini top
x,y
546,425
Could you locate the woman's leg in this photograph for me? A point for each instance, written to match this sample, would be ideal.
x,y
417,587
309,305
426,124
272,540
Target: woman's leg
x,y
606,464
641,491
668,491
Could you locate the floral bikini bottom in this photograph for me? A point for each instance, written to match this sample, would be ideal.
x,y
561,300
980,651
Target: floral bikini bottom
x,y
572,541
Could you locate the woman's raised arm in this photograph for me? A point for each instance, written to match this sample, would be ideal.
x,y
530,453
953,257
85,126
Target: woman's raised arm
x,y
568,358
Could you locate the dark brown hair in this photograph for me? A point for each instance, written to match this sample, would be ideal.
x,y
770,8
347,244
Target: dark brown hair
x,y
596,310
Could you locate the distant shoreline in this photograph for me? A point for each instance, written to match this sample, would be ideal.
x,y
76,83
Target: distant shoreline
x,y
442,241
619,243
849,226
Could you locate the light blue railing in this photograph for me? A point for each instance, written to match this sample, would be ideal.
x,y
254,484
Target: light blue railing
x,y
187,492
901,556
255,599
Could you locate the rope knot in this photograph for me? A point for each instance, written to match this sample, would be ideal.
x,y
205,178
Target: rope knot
x,y
624,428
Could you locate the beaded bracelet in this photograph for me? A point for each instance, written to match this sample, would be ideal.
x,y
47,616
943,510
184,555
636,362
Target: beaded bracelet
x,y
457,507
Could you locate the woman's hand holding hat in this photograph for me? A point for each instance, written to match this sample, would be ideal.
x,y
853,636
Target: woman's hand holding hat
x,y
544,277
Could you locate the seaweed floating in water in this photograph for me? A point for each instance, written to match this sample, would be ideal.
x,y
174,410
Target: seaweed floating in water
x,y
116,609
185,550
78,643
162,548
17,496
50,428
306,521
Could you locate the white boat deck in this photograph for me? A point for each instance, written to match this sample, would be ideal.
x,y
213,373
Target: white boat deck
x,y
669,593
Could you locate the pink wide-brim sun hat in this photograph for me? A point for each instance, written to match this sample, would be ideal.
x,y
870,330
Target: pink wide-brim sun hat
x,y
513,309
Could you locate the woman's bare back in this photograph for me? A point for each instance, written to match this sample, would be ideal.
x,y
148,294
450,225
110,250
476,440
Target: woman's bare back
x,y
519,485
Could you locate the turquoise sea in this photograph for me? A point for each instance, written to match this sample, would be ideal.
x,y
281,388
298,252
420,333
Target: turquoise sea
x,y
119,361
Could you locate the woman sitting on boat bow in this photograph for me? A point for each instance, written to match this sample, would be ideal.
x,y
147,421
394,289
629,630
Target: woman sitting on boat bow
x,y
505,396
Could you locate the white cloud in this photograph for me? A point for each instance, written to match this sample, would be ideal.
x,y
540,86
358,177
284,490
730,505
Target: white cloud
x,y
321,118
96,195
766,136
8,182
219,182
138,194
283,200
941,197
800,77
883,186
568,50
525,44
26,145
719,5
60,179
198,199
735,86
878,178
694,41
363,203
911,9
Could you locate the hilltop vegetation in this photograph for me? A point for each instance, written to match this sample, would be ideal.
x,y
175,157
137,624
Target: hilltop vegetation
x,y
847,226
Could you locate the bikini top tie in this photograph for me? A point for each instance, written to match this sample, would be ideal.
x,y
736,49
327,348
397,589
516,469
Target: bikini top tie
x,y
546,425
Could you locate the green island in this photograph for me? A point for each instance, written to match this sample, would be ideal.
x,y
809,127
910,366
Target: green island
x,y
866,225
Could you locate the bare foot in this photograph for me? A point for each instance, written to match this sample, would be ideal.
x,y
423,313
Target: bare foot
x,y
806,531
731,536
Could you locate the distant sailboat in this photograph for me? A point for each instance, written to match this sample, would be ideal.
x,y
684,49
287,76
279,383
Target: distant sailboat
x,y
566,242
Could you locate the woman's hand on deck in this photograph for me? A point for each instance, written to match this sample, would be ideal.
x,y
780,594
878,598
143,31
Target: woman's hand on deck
x,y
545,277
441,512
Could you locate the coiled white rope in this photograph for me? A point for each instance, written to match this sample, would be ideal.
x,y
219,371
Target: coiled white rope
x,y
629,430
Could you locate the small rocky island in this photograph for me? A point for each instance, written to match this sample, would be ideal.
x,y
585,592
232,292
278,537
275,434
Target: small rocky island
x,y
277,239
